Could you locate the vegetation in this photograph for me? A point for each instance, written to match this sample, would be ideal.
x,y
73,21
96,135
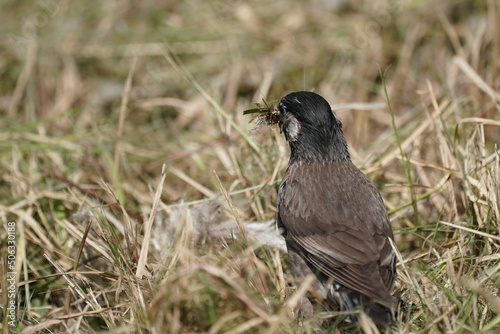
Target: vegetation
x,y
143,199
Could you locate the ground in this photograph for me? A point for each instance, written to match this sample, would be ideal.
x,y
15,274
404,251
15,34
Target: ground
x,y
125,155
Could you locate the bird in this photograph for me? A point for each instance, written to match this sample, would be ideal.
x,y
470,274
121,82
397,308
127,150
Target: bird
x,y
332,216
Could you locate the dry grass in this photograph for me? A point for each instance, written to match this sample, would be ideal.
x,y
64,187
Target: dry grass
x,y
98,96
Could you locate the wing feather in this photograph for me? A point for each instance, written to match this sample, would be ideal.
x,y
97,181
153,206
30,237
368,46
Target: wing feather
x,y
334,214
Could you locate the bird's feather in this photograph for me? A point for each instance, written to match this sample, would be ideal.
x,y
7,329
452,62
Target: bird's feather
x,y
332,216
334,213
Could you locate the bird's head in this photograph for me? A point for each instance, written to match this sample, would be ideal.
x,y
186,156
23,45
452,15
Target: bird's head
x,y
311,128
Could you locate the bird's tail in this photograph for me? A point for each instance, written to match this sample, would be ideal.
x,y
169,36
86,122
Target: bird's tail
x,y
381,312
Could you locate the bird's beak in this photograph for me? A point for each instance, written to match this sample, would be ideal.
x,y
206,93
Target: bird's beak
x,y
281,116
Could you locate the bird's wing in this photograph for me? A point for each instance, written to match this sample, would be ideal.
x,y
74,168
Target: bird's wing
x,y
334,215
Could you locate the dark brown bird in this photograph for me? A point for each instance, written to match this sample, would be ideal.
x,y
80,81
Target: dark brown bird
x,y
332,216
